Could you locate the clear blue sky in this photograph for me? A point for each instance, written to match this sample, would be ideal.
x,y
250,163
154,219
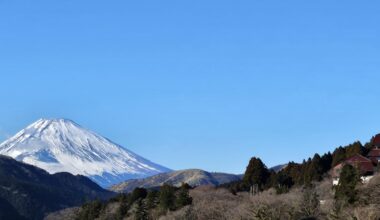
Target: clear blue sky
x,y
196,84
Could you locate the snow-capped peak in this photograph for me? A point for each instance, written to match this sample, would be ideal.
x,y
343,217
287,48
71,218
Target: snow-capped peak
x,y
61,145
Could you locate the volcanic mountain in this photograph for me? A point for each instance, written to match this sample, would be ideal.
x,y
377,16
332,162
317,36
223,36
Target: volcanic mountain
x,y
61,145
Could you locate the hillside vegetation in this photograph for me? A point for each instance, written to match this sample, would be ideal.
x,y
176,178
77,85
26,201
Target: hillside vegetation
x,y
139,204
27,192
298,191
315,202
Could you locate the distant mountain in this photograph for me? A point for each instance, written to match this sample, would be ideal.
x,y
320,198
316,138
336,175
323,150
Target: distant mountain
x,y
278,168
28,192
61,145
193,177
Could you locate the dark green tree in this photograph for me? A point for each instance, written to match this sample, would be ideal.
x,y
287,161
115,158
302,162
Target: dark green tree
x,y
338,156
167,197
342,153
122,211
346,189
354,148
137,193
124,206
152,199
326,161
283,182
141,211
313,170
294,170
90,211
183,198
256,173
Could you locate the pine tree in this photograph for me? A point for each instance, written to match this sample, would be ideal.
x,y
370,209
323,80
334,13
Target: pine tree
x,y
326,161
294,171
256,173
123,207
122,210
167,197
314,169
305,172
354,148
141,212
138,193
183,198
283,182
339,156
90,210
152,199
346,189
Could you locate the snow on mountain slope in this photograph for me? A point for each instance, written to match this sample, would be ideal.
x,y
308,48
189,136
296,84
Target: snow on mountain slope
x,y
61,145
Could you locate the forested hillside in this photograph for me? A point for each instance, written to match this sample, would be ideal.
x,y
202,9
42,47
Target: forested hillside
x,y
27,192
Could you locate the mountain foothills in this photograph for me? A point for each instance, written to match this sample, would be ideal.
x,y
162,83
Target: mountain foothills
x,y
291,192
192,177
306,173
28,192
61,145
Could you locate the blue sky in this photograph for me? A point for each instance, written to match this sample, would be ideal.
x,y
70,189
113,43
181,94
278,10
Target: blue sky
x,y
196,84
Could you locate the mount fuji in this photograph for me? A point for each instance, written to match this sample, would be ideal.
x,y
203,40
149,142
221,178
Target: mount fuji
x,y
61,145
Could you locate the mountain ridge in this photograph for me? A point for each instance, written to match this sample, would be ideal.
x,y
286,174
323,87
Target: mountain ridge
x,y
193,177
29,192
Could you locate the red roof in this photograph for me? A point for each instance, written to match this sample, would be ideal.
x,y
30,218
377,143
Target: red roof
x,y
374,152
364,164
357,158
376,140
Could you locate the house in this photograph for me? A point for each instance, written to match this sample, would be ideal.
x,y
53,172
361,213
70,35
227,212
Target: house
x,y
362,164
374,155
376,141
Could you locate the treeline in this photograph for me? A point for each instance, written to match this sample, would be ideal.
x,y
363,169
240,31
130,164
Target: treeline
x,y
141,204
258,177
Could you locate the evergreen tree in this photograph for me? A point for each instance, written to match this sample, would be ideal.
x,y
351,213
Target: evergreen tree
x,y
346,189
339,156
304,172
90,211
141,212
294,171
124,205
354,148
137,193
283,182
183,198
256,173
368,147
167,197
314,170
326,161
342,153
152,199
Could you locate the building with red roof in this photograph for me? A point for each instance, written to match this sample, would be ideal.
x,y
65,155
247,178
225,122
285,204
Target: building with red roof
x,y
376,140
362,164
374,155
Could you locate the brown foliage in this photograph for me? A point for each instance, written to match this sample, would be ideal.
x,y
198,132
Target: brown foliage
x,y
210,203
